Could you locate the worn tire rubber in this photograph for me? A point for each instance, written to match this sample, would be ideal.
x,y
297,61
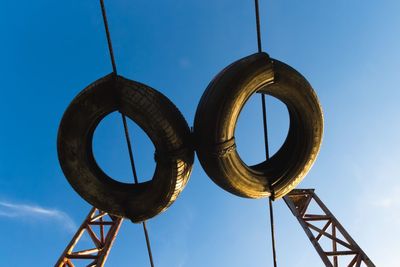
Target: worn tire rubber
x,y
160,120
216,119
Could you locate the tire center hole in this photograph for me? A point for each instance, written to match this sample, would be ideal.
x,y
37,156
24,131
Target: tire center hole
x,y
249,132
110,150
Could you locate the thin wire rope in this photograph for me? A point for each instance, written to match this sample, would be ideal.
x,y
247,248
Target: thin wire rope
x,y
264,113
110,48
258,26
126,130
271,217
265,128
128,141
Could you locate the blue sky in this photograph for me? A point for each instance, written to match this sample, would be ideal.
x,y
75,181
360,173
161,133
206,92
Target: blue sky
x,y
348,50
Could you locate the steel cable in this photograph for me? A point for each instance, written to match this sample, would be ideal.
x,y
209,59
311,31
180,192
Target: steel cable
x,y
110,48
264,113
126,130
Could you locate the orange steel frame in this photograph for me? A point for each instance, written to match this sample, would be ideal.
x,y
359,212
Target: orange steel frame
x,y
298,201
107,227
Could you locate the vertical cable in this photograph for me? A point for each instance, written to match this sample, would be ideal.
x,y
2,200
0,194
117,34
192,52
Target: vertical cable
x,y
110,48
126,130
146,234
271,210
271,217
128,141
258,26
264,113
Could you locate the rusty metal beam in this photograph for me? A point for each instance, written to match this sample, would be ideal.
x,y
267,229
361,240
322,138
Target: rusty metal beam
x,y
97,254
298,201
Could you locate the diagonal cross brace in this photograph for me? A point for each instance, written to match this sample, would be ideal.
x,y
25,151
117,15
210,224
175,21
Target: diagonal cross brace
x,y
101,245
298,201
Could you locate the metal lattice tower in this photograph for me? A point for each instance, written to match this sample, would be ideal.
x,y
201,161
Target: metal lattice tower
x,y
299,201
102,229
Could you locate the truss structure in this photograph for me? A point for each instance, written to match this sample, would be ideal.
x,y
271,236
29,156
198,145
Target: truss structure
x,y
98,230
322,228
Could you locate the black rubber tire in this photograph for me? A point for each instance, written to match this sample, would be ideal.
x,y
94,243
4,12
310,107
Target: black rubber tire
x,y
160,120
216,118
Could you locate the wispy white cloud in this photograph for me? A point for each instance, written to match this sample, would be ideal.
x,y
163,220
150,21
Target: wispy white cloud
x,y
36,213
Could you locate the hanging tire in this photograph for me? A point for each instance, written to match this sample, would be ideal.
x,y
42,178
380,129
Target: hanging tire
x,y
216,119
160,120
